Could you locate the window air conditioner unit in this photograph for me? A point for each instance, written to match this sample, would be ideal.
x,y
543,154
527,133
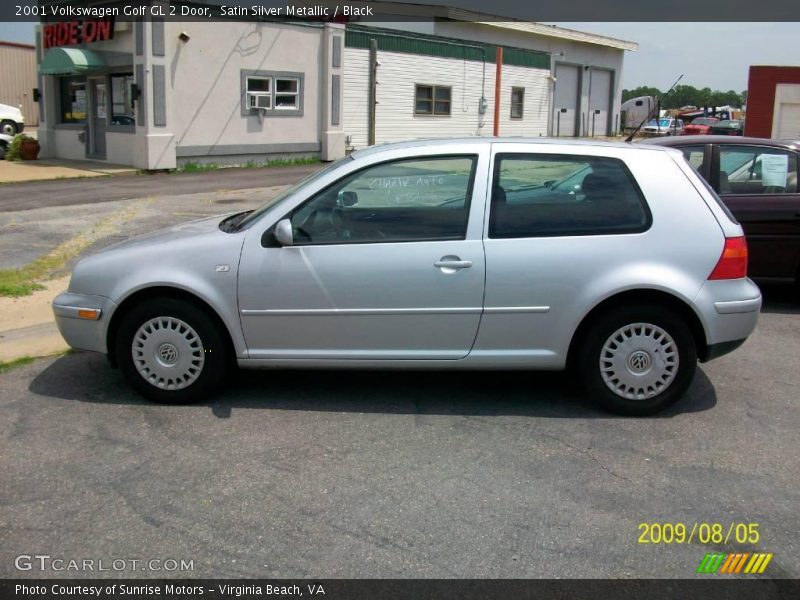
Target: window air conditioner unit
x,y
259,101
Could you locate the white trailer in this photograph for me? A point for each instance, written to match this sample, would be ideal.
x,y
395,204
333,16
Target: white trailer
x,y
636,110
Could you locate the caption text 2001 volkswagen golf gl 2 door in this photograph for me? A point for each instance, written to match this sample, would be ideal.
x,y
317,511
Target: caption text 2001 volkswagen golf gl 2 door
x,y
466,254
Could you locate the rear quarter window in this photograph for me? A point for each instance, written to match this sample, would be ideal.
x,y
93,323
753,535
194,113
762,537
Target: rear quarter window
x,y
711,191
541,195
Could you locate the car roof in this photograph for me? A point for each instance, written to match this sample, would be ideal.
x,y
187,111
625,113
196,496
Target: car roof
x,y
544,141
693,140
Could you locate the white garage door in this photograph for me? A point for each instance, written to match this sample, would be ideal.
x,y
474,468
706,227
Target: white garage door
x,y
565,101
597,122
789,121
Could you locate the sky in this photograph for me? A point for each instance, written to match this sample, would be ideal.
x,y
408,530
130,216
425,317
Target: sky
x,y
715,55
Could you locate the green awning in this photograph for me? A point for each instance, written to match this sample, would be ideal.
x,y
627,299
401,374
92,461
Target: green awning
x,y
71,61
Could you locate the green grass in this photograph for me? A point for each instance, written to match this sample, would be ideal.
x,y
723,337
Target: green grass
x,y
22,282
195,167
13,364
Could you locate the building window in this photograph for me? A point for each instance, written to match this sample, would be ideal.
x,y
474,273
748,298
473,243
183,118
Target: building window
x,y
432,100
517,102
273,93
287,93
73,100
121,102
259,92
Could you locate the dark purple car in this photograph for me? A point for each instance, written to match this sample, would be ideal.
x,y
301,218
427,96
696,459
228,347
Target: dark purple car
x,y
757,180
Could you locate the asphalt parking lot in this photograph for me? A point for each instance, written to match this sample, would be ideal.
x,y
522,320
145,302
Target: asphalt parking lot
x,y
359,474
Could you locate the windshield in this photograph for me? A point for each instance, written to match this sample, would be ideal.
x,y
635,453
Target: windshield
x,y
704,121
256,214
660,123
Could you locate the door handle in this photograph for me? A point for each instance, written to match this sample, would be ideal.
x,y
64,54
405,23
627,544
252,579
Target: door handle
x,y
452,263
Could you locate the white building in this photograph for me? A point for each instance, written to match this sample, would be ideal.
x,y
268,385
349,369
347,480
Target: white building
x,y
155,94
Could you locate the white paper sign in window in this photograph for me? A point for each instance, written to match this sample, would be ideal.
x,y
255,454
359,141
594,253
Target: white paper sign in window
x,y
774,170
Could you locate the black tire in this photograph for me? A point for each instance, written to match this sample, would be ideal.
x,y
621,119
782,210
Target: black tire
x,y
640,348
8,127
213,347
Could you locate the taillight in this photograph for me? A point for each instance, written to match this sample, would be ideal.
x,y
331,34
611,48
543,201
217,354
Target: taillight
x,y
733,262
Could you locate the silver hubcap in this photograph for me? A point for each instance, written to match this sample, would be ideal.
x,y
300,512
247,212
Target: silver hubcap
x,y
168,353
639,361
9,129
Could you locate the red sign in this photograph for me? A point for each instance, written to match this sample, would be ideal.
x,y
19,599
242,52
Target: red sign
x,y
72,33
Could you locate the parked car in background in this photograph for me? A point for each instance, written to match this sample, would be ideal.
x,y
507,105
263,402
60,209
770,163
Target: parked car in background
x,y
729,127
474,253
664,126
11,120
757,180
700,126
5,140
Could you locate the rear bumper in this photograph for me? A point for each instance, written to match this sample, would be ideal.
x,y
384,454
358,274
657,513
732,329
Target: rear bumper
x,y
79,332
721,349
730,311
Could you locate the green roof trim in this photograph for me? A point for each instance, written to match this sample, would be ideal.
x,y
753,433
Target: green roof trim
x,y
442,47
71,61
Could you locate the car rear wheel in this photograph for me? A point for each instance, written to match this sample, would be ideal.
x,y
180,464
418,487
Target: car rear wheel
x,y
171,351
637,360
8,127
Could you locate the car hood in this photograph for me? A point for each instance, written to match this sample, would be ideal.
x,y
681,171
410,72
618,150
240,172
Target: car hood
x,y
172,234
10,111
160,257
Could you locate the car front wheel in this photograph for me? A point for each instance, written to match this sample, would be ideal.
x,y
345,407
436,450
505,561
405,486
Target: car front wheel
x,y
637,361
171,351
8,127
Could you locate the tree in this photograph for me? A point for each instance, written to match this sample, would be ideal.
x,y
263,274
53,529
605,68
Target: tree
x,y
687,95
640,91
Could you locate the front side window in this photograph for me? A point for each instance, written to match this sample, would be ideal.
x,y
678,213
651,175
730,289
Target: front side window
x,y
418,199
541,195
121,104
517,102
754,170
432,100
73,100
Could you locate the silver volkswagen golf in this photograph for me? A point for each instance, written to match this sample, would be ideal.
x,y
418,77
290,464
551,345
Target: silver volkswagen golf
x,y
481,253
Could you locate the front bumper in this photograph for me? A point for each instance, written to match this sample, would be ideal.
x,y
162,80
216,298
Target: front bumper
x,y
83,320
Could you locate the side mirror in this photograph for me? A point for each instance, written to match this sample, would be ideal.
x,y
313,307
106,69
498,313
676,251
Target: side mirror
x,y
283,232
347,199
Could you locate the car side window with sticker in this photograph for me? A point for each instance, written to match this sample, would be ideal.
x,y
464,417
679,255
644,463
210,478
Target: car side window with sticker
x,y
752,170
419,199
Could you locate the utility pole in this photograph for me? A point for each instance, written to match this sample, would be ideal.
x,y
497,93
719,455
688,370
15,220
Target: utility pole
x,y
498,76
373,83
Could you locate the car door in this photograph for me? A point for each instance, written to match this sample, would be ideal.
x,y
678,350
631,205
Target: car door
x,y
544,244
759,186
386,263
